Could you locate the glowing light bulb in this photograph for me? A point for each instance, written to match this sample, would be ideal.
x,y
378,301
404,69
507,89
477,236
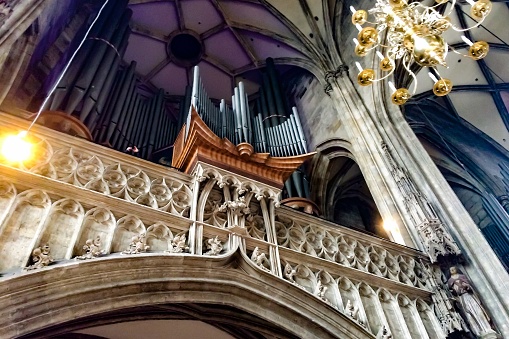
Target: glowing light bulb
x,y
380,55
15,148
391,227
392,87
355,41
359,67
352,9
420,44
433,77
359,27
466,40
471,2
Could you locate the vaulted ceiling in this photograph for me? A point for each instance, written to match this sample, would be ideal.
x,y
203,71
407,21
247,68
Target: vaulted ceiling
x,y
236,37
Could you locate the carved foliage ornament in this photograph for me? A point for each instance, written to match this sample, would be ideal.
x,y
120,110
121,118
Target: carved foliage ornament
x,y
342,249
41,257
83,169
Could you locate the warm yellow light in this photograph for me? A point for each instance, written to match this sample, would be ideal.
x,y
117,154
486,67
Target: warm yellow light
x,y
393,229
16,148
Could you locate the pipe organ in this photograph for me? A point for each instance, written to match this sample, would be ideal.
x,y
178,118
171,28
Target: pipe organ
x,y
103,94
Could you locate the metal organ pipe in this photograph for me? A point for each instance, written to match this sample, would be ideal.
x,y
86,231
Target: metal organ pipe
x,y
90,67
110,61
72,72
116,107
107,87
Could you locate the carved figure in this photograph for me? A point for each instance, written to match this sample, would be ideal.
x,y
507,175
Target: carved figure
x,y
178,244
92,249
471,306
237,207
41,257
260,259
289,273
384,333
352,311
321,289
214,246
137,245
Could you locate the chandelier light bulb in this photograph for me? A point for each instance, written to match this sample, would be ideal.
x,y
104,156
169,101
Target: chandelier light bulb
x,y
15,148
392,87
433,77
359,67
359,27
471,2
466,40
380,55
352,9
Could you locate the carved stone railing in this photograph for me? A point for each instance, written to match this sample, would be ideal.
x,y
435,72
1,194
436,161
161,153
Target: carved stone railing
x,y
81,200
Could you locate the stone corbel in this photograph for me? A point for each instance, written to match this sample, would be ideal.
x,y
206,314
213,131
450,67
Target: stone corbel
x,y
330,76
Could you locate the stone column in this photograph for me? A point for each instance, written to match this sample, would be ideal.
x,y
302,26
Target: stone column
x,y
366,146
482,265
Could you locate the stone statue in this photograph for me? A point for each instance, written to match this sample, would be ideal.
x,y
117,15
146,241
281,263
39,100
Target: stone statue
x,y
214,246
137,245
352,311
260,259
178,245
41,257
471,306
92,249
384,333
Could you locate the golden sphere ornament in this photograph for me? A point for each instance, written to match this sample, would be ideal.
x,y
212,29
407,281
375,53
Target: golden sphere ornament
x,y
480,9
366,77
479,50
359,17
386,65
361,50
397,3
401,96
442,87
429,50
367,36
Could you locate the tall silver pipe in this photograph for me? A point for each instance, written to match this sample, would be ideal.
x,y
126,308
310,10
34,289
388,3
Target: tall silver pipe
x,y
299,128
156,112
194,97
125,116
107,87
90,67
108,61
297,183
243,111
70,76
262,132
133,124
224,122
117,106
295,129
238,114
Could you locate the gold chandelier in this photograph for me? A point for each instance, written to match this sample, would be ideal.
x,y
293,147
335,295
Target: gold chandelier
x,y
413,33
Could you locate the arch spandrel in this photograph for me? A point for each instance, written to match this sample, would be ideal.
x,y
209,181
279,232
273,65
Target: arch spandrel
x,y
61,294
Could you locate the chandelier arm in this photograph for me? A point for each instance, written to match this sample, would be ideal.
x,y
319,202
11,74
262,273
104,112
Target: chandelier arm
x,y
469,28
385,76
457,52
453,3
412,74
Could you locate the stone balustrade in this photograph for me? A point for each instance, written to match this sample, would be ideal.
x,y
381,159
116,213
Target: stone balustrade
x,y
85,201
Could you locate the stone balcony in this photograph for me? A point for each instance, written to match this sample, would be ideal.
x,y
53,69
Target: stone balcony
x,y
92,206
